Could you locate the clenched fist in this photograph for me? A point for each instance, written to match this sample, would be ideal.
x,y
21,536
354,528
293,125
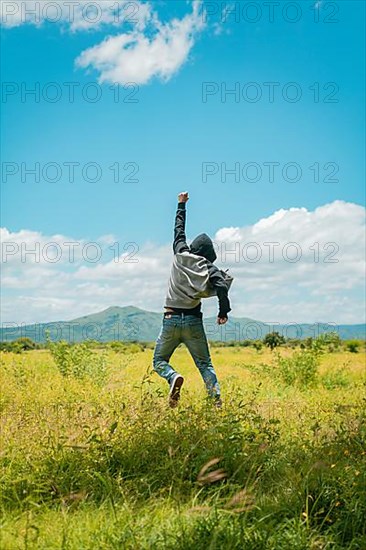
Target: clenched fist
x,y
183,197
221,320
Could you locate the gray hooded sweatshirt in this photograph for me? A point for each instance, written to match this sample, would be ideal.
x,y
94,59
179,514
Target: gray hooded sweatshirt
x,y
193,275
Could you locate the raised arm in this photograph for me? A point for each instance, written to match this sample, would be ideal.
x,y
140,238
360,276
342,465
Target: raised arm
x,y
180,244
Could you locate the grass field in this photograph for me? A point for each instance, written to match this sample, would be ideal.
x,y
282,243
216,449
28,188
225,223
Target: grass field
x,y
94,459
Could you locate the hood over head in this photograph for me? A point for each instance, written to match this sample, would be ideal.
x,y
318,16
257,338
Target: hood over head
x,y
203,246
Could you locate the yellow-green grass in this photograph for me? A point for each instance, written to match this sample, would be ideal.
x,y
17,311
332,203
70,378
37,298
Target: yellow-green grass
x,y
88,465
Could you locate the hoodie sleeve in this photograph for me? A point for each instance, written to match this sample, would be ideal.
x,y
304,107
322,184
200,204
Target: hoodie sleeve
x,y
180,244
218,282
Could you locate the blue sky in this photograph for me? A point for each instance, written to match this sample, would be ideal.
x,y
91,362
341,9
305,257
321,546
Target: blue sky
x,y
170,132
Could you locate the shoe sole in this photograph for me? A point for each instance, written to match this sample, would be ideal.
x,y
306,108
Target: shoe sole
x,y
174,393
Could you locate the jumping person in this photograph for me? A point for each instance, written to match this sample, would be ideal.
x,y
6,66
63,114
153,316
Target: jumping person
x,y
193,276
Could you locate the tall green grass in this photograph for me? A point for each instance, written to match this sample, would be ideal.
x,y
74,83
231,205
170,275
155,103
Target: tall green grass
x,y
101,462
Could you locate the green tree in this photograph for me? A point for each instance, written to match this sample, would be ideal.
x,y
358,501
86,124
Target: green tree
x,y
273,339
19,345
26,343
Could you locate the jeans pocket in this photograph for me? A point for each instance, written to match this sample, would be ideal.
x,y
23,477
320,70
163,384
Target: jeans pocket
x,y
168,321
169,329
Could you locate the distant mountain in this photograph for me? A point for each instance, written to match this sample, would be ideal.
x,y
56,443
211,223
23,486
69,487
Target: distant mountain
x,y
131,323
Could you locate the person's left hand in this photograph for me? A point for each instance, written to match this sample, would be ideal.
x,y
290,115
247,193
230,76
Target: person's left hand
x,y
221,320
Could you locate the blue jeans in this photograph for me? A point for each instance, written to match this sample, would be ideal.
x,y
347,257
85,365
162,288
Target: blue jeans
x,y
189,330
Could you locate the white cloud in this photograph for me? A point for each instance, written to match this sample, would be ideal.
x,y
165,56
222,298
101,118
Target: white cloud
x,y
147,48
221,27
330,244
138,57
309,290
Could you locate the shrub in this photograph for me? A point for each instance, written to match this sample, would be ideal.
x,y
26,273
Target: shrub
x,y
257,344
300,370
78,361
352,346
118,347
217,344
135,347
245,343
336,379
324,342
329,341
294,343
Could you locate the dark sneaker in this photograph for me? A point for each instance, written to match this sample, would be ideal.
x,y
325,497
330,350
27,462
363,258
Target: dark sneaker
x,y
175,386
